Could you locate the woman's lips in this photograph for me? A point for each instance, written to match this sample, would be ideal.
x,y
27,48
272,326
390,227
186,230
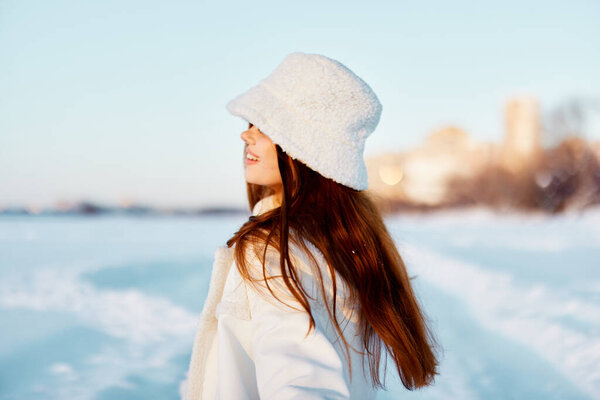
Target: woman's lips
x,y
251,153
249,161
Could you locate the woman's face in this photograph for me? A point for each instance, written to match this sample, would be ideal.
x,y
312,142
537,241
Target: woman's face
x,y
263,169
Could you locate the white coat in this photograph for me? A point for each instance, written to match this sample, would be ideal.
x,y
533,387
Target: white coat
x,y
250,346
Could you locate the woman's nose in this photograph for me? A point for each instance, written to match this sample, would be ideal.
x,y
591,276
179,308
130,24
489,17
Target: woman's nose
x,y
247,137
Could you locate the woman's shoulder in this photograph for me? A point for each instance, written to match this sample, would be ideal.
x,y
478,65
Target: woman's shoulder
x,y
311,269
304,255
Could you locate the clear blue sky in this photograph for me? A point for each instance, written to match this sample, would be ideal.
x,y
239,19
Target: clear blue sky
x,y
126,99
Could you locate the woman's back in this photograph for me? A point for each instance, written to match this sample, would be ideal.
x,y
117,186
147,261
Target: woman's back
x,y
261,348
286,360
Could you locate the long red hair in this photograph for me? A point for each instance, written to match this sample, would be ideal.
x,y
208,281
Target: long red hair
x,y
336,218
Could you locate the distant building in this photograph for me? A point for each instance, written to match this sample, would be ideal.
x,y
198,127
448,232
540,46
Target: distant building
x,y
422,175
522,140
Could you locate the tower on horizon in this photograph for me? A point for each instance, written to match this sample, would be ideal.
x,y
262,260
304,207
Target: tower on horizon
x,y
522,131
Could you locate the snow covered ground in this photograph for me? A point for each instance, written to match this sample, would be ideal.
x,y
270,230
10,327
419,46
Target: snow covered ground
x,y
106,307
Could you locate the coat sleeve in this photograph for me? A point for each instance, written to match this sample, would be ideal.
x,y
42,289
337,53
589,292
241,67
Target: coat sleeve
x,y
289,364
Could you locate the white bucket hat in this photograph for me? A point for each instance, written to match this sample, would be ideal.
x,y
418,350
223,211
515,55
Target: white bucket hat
x,y
318,111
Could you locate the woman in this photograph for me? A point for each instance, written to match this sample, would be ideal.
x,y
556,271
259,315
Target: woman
x,y
311,289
